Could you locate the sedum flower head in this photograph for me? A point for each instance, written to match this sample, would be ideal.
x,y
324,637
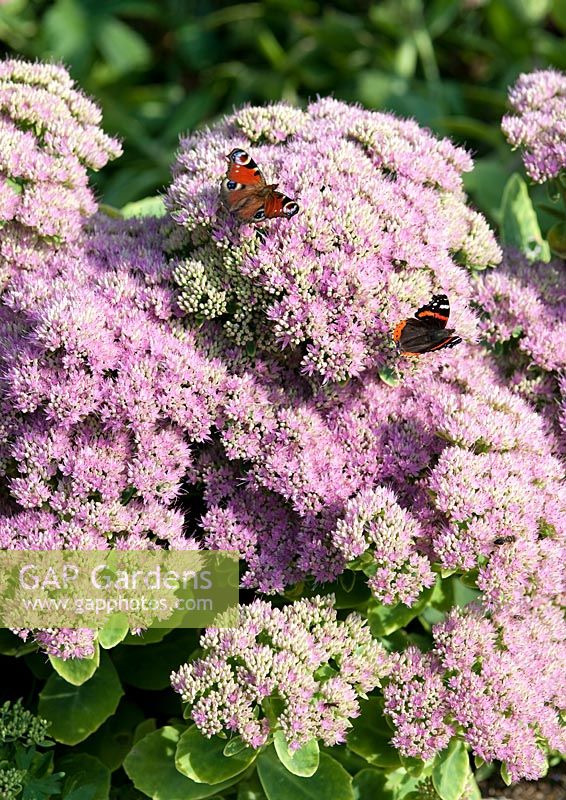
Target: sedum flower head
x,y
495,681
50,136
374,522
17,724
297,669
538,126
100,403
383,224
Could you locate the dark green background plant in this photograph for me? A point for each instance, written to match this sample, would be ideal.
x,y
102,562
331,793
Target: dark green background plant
x,y
159,67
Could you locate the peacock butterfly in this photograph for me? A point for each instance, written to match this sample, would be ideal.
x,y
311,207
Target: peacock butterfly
x,y
245,193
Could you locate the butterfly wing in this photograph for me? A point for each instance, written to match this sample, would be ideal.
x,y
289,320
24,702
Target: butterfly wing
x,y
278,204
243,169
436,313
242,190
245,193
415,337
427,330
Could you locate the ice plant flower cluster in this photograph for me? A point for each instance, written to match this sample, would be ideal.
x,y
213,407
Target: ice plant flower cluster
x,y
434,469
50,136
374,522
497,681
175,384
383,223
523,320
538,126
297,669
101,395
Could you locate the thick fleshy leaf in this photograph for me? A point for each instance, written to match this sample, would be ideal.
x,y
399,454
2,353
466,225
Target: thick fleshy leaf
x,y
203,760
113,740
76,670
303,762
451,771
280,784
370,735
83,771
519,223
114,631
76,711
370,784
150,765
148,207
384,620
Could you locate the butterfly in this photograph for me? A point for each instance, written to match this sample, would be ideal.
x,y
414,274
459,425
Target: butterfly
x,y
427,330
245,193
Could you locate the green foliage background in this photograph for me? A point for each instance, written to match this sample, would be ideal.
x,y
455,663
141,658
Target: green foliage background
x,y
159,67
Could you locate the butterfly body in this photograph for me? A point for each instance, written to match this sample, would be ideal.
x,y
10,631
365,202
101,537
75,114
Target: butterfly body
x,y
427,330
245,193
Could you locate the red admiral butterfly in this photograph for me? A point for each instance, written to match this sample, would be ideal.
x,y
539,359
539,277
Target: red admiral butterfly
x,y
427,330
245,193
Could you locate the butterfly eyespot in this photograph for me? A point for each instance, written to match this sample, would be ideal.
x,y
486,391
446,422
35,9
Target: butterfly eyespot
x,y
240,157
259,214
231,185
290,209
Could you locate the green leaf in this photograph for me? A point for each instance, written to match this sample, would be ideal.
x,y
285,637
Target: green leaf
x,y
66,32
110,211
396,784
202,760
505,777
451,771
373,784
76,670
303,762
114,630
123,48
150,765
153,670
148,207
76,711
41,788
414,766
145,727
369,784
370,735
113,740
472,789
280,784
558,14
384,620
83,771
557,239
149,636
251,789
389,376
234,746
519,223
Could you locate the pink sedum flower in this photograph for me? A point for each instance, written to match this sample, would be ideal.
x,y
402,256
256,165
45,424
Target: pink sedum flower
x,y
383,223
314,665
538,126
50,136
